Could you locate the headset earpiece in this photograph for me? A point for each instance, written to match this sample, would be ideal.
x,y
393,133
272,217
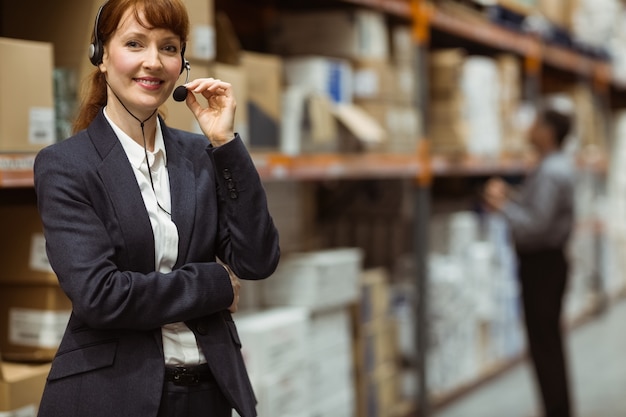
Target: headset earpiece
x,y
96,49
185,63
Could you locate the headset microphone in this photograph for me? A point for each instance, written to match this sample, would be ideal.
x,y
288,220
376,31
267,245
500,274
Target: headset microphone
x,y
180,92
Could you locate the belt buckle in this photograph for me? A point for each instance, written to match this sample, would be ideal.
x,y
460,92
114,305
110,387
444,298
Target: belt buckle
x,y
182,377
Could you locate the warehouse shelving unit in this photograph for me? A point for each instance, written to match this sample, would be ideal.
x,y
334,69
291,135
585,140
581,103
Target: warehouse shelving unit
x,y
428,21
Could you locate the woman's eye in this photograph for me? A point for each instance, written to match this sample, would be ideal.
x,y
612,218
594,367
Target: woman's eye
x,y
171,48
132,44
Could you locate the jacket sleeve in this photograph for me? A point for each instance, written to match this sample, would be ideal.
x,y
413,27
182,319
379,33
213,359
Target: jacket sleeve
x,y
248,239
84,247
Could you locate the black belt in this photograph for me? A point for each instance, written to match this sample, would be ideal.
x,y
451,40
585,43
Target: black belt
x,y
188,375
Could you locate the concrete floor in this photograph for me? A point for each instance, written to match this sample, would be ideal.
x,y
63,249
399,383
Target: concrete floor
x,y
597,358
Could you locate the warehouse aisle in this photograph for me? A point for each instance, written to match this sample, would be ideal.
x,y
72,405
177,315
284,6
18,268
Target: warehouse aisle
x,y
598,361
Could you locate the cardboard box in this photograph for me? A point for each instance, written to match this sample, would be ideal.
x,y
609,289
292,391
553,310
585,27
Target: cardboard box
x,y
308,124
177,114
332,77
22,247
375,295
66,24
21,387
376,345
293,205
379,393
202,43
236,76
32,321
330,371
27,121
264,75
378,80
374,80
352,34
317,280
273,340
282,394
406,85
339,404
404,49
402,124
559,12
329,329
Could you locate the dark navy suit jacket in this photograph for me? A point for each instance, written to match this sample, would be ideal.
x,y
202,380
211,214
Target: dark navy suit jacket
x,y
100,244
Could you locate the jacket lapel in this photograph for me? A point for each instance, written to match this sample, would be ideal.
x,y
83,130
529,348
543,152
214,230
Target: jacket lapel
x,y
119,179
182,190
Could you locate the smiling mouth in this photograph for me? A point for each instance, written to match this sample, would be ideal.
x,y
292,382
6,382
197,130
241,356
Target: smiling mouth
x,y
151,83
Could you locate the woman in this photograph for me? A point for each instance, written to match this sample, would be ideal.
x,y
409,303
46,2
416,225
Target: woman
x,y
147,229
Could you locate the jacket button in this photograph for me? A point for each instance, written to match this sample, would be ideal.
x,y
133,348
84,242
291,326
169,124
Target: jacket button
x,y
230,184
234,194
202,328
227,174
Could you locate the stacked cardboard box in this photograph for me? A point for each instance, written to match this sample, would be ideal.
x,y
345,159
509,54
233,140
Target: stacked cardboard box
x,y
616,204
318,280
590,123
21,387
274,347
330,363
558,12
475,105
447,127
351,34
387,89
514,142
473,311
33,308
365,67
27,121
325,283
264,76
377,374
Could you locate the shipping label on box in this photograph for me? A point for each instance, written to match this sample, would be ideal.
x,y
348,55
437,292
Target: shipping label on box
x,y
37,328
41,128
23,251
38,255
203,42
202,34
35,317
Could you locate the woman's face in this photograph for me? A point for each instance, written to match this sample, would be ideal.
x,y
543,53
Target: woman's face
x,y
141,65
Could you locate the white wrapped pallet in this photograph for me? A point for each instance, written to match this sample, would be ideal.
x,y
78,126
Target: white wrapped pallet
x,y
273,340
481,90
316,280
274,347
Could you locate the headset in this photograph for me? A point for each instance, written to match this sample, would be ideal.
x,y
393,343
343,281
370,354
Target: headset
x,y
96,48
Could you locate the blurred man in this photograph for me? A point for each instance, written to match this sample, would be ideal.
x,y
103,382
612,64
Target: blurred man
x,y
540,218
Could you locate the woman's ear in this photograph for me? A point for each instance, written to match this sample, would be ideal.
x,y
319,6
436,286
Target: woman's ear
x,y
102,66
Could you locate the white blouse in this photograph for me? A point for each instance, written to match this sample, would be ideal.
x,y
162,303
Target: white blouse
x,y
179,343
